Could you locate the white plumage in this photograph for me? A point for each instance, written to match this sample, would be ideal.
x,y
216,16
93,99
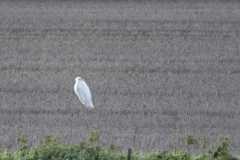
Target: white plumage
x,y
83,92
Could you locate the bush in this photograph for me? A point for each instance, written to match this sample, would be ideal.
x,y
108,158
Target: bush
x,y
52,149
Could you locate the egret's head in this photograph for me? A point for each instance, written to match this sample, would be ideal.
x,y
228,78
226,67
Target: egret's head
x,y
79,79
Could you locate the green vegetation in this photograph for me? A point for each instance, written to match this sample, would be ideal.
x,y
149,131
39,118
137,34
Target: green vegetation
x,y
42,69
86,67
52,149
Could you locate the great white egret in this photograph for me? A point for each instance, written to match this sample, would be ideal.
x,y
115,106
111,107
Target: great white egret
x,y
83,92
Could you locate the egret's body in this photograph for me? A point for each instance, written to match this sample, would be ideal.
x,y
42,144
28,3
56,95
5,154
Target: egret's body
x,y
83,92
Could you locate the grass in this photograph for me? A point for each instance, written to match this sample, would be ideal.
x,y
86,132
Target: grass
x,y
155,70
52,149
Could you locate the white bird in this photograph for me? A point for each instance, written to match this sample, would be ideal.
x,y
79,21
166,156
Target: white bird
x,y
83,92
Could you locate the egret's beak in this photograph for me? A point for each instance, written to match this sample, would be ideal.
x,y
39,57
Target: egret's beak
x,y
82,79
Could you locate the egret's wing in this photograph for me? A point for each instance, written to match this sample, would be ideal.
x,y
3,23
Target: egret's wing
x,y
84,93
85,90
87,94
90,104
79,93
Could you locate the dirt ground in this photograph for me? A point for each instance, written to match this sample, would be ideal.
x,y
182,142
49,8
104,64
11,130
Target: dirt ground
x,y
155,70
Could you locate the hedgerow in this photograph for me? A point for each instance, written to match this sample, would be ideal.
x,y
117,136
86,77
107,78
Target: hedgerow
x,y
53,149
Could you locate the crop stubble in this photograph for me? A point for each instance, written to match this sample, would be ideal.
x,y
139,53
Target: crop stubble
x,y
155,71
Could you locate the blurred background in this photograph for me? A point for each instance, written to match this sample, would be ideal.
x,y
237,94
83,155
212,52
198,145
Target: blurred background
x,y
156,70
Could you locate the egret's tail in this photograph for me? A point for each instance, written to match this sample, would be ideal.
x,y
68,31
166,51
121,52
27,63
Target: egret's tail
x,y
90,105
